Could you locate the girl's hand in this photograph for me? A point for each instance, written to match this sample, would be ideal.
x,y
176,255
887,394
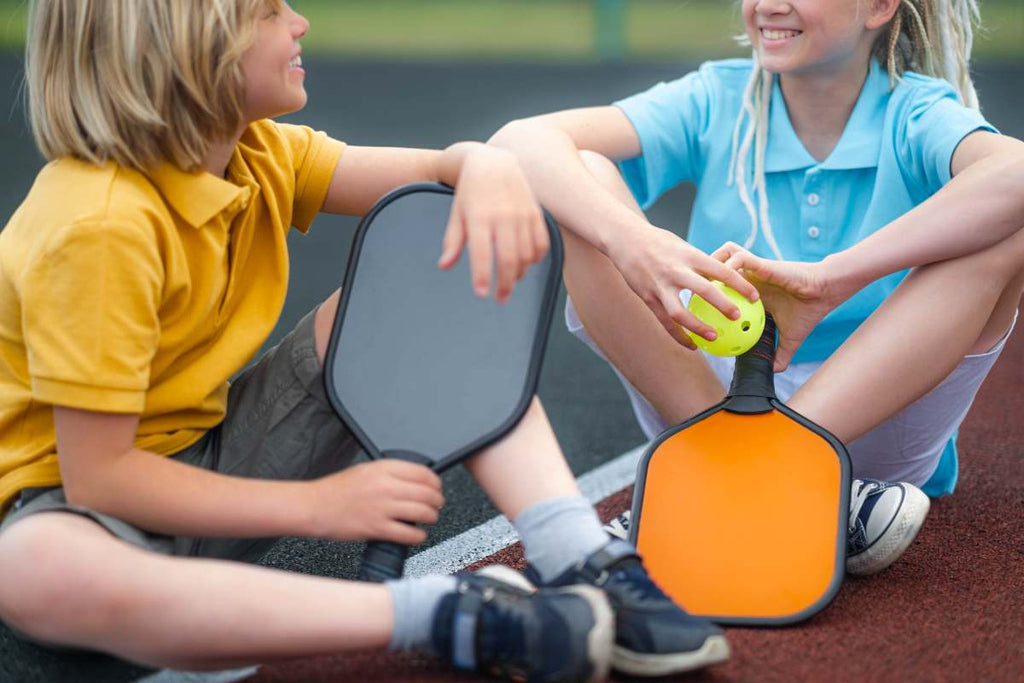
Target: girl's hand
x,y
379,500
658,264
496,214
798,295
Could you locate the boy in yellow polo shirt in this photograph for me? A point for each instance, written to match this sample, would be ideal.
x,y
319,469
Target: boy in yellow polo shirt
x,y
146,266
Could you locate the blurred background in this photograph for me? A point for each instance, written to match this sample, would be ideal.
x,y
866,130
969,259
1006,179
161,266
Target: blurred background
x,y
425,73
563,30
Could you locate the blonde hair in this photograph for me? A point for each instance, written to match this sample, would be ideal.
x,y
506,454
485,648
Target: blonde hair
x,y
932,37
137,81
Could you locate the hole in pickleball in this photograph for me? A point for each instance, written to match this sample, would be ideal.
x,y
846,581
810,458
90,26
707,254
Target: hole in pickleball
x,y
746,326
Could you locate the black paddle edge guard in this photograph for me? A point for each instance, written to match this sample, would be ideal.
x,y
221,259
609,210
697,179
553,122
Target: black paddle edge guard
x,y
539,343
846,474
753,381
382,560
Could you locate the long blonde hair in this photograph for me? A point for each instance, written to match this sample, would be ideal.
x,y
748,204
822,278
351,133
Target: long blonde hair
x,y
137,81
932,37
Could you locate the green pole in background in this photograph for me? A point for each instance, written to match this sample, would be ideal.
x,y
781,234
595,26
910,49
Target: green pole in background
x,y
611,29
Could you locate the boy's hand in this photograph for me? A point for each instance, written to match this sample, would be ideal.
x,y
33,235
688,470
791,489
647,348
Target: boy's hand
x,y
496,214
798,295
379,500
658,264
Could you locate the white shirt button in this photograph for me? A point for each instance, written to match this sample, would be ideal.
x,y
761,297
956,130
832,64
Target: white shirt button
x,y
813,199
813,232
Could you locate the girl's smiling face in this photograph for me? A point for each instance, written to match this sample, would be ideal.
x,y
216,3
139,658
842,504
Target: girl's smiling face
x,y
272,66
803,36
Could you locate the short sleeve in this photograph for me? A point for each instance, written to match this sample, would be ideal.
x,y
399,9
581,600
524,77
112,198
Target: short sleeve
x,y
314,157
934,124
669,120
90,304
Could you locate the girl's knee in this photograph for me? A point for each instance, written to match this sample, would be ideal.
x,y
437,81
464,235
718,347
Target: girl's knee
x,y
323,322
601,167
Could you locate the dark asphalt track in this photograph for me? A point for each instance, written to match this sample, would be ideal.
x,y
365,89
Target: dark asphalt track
x,y
427,106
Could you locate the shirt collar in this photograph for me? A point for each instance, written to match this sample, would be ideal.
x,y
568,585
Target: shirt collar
x,y
859,145
198,196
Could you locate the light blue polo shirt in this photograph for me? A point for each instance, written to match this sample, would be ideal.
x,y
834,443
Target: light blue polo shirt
x,y
894,153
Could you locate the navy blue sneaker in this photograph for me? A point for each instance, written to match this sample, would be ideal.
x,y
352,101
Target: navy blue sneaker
x,y
653,635
884,520
497,623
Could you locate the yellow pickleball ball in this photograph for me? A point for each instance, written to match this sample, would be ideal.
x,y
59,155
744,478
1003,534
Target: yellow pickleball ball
x,y
734,336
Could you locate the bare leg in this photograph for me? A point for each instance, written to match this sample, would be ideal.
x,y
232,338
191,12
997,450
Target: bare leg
x,y
938,314
678,382
525,467
64,579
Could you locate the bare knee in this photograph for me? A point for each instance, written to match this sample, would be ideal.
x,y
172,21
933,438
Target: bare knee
x,y
601,167
48,590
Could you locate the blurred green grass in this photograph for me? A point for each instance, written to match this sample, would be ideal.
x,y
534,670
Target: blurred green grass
x,y
563,30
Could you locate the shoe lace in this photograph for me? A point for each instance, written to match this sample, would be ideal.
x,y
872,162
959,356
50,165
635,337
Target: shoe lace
x,y
860,496
631,578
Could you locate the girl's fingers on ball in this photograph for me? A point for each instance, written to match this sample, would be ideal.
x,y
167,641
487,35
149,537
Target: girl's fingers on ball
x,y
674,330
717,298
685,319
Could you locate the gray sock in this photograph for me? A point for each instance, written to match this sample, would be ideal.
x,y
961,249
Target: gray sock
x,y
415,602
558,533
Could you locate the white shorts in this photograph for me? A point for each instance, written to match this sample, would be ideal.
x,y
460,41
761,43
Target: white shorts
x,y
907,447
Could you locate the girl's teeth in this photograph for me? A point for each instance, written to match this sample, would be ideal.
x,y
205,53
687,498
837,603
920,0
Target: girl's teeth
x,y
778,35
295,63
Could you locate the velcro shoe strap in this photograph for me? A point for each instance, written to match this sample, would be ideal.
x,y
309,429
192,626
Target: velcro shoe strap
x,y
597,564
467,614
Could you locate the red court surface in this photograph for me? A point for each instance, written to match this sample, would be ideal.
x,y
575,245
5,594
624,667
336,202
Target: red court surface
x,y
952,609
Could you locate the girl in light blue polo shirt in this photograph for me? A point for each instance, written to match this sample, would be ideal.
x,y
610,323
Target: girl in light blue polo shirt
x,y
819,164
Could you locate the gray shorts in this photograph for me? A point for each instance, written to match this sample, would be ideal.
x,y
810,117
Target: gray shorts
x,y
279,425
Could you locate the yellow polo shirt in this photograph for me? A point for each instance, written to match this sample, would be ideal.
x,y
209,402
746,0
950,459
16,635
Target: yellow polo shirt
x,y
130,293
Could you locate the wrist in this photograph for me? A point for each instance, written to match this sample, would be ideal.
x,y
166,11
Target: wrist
x,y
844,274
614,237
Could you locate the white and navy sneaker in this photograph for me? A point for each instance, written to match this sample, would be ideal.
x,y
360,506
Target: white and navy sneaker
x,y
497,623
884,520
653,635
619,527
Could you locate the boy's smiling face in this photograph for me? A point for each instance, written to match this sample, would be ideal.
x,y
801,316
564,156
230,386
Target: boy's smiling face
x,y
272,66
813,35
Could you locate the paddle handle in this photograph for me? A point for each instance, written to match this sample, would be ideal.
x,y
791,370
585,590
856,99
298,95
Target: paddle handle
x,y
753,381
383,561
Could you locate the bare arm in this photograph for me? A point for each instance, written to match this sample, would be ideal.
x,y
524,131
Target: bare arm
x,y
981,206
494,216
655,263
102,470
548,149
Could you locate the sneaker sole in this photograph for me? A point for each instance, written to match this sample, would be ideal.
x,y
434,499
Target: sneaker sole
x,y
896,540
714,651
602,633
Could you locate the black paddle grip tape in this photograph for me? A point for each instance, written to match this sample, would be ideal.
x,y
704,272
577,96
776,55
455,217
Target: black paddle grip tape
x,y
753,382
383,561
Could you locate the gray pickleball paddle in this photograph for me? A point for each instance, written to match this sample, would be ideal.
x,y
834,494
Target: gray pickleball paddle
x,y
418,367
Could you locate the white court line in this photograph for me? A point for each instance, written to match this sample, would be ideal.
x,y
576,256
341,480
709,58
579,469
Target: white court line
x,y
172,676
455,553
483,541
